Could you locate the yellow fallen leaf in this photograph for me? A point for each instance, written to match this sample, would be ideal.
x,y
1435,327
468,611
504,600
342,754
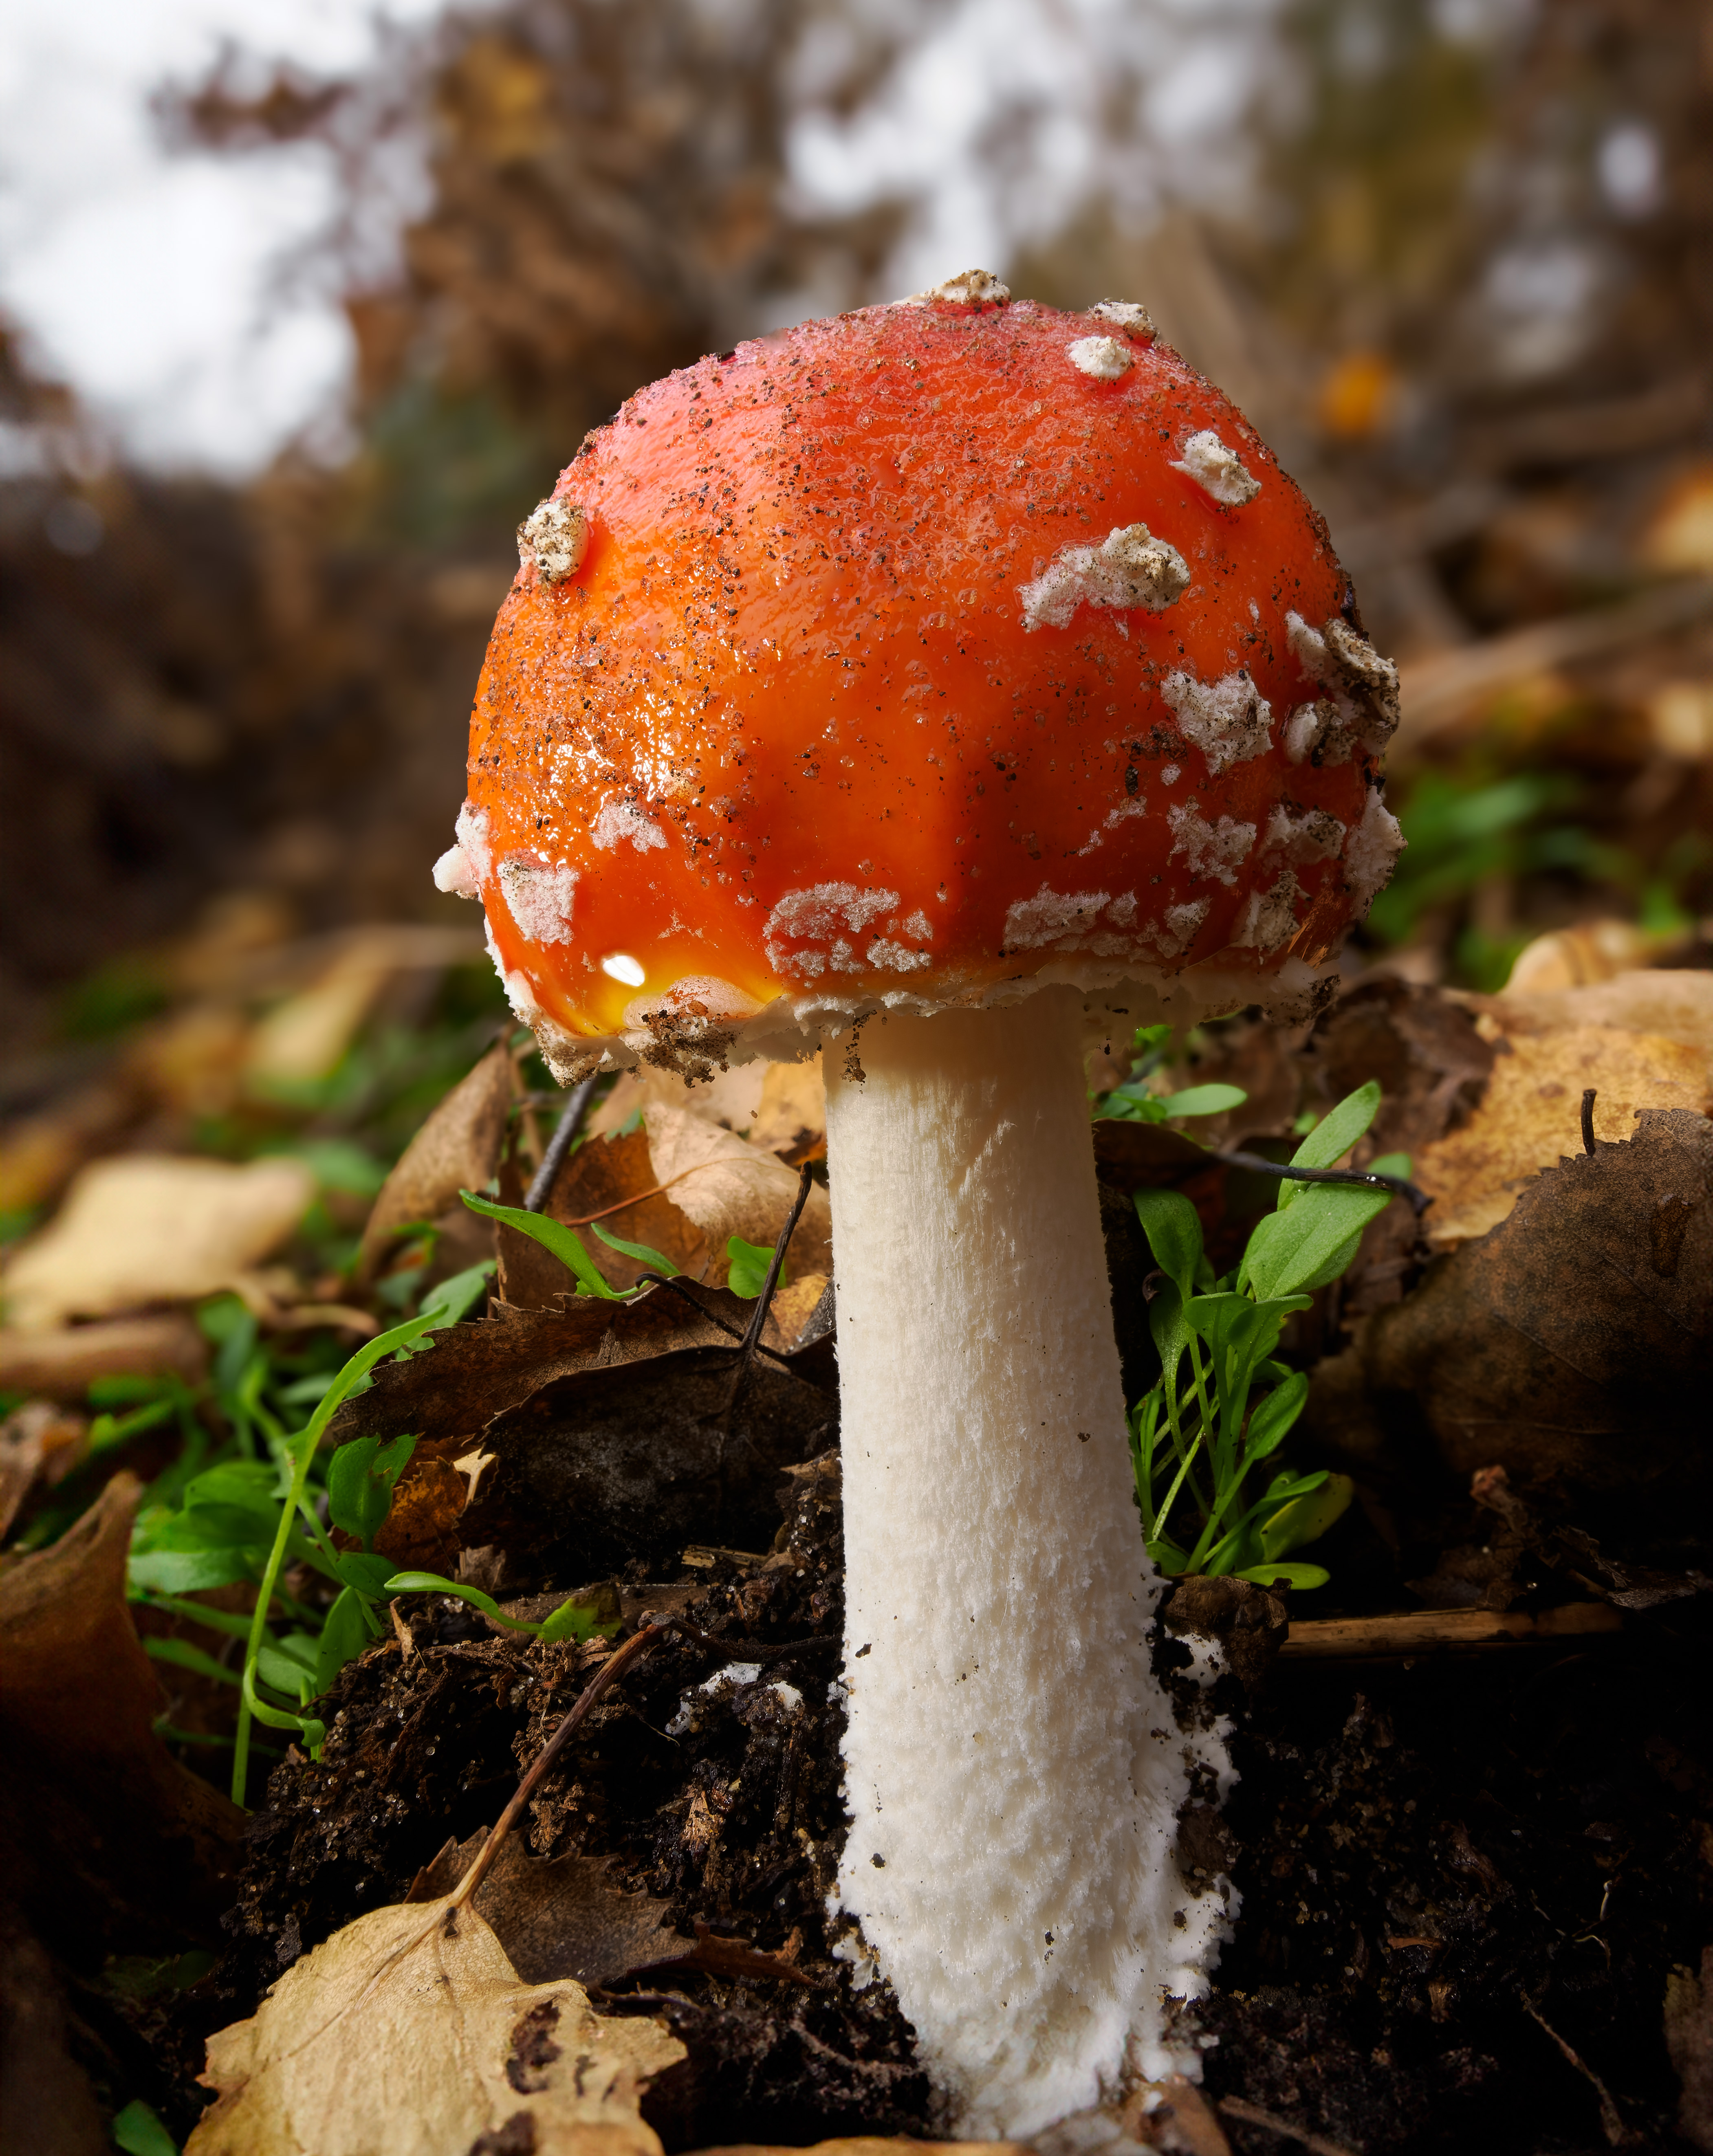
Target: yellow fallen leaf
x,y
458,1149
1531,1116
148,1228
1676,1002
735,1189
792,1307
303,1038
1591,950
792,1110
410,2032
774,1105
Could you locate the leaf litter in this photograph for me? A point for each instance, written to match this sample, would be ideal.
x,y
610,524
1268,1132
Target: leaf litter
x,y
675,1862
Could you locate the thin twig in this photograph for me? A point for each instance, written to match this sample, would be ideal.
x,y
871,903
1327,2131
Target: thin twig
x,y
1252,2114
764,1301
541,1187
713,1317
1612,2121
753,1651
1589,1096
1398,1186
638,1645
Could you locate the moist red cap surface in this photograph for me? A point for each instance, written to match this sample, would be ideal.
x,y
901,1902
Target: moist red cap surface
x,y
899,658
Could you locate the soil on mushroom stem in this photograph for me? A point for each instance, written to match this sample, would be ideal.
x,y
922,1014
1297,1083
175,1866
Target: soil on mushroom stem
x,y
1431,1855
714,1807
1448,1863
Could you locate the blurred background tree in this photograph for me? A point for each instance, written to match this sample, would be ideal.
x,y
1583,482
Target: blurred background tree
x,y
1452,255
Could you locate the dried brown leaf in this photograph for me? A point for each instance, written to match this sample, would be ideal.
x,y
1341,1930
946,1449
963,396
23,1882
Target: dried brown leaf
x,y
729,1187
563,1919
64,1364
1676,1004
866,2144
304,1036
1571,1340
149,1227
420,1532
605,1174
49,2105
609,1465
41,1441
476,1371
104,1839
1531,1117
1427,1052
411,2031
1688,2038
456,1149
717,1955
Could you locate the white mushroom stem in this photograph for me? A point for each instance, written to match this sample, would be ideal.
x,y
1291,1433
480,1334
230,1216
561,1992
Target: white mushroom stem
x,y
1013,1769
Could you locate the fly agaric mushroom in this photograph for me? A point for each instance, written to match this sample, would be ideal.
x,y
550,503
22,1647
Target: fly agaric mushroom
x,y
930,684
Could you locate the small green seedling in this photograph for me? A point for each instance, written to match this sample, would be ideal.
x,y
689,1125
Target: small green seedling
x,y
579,1617
239,1520
748,1263
1135,1102
139,2131
568,1247
1223,1406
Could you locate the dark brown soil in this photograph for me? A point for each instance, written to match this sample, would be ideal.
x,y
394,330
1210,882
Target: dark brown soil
x,y
722,1806
1455,1873
1465,1879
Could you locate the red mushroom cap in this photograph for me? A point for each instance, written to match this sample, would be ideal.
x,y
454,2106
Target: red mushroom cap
x,y
902,660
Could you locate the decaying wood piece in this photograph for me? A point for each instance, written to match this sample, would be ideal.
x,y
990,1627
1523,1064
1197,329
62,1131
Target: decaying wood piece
x,y
1427,1631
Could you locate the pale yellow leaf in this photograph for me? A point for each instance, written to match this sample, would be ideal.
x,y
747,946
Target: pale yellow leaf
x,y
774,1105
148,1228
409,2032
729,1187
1531,1116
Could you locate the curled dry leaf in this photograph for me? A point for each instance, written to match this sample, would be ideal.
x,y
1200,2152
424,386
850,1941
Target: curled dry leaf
x,y
779,1106
1571,1340
457,1148
1591,950
562,1918
1531,1115
64,1365
106,1841
476,1371
411,2031
149,1228
729,1187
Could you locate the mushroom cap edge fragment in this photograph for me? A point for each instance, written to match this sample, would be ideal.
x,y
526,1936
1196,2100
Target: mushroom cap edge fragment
x,y
776,712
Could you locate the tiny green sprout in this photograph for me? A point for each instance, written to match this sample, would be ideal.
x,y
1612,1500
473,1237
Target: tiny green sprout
x,y
1223,1405
566,1245
579,1617
139,2133
655,1261
1135,1101
748,1267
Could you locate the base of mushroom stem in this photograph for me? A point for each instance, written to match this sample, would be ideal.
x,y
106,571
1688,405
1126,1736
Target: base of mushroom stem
x,y
1013,1771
